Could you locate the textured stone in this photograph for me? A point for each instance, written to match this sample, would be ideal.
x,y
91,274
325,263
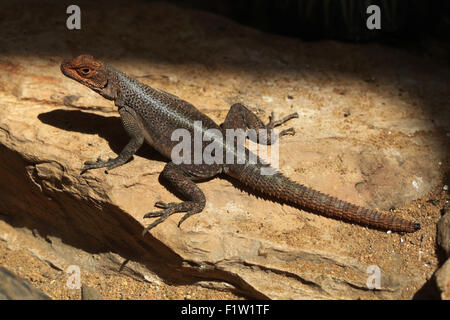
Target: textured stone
x,y
14,288
368,142
443,280
89,293
443,231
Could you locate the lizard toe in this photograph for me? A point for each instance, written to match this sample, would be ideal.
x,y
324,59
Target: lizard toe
x,y
154,214
187,215
163,214
88,166
161,204
273,124
169,208
290,131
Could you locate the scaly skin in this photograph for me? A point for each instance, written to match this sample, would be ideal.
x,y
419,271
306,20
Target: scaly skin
x,y
152,115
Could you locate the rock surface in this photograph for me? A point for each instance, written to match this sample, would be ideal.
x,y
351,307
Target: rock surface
x,y
14,288
443,229
442,276
89,293
443,280
372,130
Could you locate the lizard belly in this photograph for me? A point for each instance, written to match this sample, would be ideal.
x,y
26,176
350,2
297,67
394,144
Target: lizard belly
x,y
161,148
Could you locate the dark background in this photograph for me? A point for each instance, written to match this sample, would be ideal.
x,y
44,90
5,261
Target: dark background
x,y
336,19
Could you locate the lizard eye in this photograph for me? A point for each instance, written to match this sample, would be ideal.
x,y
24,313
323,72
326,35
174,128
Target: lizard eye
x,y
84,71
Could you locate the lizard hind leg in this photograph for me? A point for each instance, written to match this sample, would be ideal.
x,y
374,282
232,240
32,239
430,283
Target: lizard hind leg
x,y
168,210
181,178
272,124
240,117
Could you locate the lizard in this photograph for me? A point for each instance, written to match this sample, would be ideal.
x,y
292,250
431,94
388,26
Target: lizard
x,y
151,115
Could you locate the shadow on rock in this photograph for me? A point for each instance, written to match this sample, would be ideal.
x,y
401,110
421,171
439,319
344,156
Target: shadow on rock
x,y
109,128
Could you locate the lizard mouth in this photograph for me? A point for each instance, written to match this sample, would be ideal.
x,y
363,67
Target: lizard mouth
x,y
64,68
68,70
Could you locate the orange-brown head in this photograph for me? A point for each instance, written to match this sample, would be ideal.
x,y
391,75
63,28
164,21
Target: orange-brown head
x,y
88,71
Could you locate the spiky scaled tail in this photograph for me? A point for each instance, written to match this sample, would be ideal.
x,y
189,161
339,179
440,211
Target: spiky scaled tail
x,y
280,187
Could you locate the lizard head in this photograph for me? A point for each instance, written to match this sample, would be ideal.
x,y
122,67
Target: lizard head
x,y
90,72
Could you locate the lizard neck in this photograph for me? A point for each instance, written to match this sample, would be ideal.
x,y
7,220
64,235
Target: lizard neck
x,y
129,91
113,88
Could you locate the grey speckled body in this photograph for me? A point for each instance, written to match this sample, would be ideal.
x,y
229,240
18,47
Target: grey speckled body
x,y
159,112
152,115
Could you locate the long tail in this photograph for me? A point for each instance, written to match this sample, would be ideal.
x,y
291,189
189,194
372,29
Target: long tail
x,y
280,187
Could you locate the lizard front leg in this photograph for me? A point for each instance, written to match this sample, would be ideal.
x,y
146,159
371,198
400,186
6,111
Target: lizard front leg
x,y
131,125
181,177
240,117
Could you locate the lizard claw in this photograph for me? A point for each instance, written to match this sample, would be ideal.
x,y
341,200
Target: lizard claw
x,y
273,124
164,214
154,214
187,215
88,165
162,205
168,210
290,131
110,164
97,162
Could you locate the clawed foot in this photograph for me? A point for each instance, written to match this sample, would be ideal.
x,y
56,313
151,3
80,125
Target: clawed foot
x,y
161,205
111,163
272,124
168,210
288,132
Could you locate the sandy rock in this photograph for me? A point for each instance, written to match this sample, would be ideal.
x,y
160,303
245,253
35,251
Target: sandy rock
x,y
14,288
371,145
443,280
89,293
443,231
